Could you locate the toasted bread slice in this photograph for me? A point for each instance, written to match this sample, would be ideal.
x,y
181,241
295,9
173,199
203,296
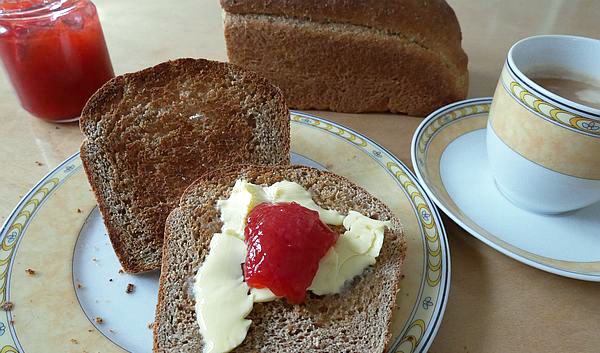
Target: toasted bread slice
x,y
149,134
357,320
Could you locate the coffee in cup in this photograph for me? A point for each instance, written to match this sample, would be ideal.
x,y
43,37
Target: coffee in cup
x,y
570,85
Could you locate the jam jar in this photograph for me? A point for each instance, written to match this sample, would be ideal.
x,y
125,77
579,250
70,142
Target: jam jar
x,y
54,54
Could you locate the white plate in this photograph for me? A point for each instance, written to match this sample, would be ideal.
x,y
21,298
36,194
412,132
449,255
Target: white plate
x,y
450,159
57,231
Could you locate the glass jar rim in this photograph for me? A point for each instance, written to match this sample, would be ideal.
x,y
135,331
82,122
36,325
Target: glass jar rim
x,y
40,10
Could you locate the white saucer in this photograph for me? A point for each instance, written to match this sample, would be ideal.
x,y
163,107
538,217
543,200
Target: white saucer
x,y
450,159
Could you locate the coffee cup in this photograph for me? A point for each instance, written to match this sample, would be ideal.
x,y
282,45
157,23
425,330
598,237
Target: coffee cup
x,y
543,132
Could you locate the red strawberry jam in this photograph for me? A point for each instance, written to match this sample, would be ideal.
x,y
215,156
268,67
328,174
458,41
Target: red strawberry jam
x,y
285,244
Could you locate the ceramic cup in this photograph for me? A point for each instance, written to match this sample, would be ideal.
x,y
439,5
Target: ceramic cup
x,y
544,149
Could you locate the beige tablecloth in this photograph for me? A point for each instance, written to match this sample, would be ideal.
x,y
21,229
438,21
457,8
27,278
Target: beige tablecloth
x,y
496,304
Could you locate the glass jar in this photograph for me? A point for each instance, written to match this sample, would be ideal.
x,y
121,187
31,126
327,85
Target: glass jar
x,y
55,55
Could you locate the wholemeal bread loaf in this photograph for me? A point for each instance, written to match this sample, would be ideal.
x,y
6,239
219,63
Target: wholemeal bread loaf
x,y
357,320
351,55
149,134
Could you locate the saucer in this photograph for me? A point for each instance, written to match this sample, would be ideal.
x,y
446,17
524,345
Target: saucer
x,y
450,159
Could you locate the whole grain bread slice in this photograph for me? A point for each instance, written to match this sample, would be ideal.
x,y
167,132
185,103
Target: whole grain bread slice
x,y
357,320
149,134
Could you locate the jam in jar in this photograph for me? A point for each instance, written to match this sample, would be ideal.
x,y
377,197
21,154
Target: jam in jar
x,y
54,53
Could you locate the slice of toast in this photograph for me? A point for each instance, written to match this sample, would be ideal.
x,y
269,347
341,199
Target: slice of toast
x,y
149,134
357,320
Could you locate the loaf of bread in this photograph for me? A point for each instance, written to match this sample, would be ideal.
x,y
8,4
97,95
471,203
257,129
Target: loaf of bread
x,y
356,320
149,134
351,56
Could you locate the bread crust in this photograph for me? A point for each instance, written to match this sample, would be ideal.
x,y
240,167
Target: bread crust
x,y
150,133
113,232
432,23
357,320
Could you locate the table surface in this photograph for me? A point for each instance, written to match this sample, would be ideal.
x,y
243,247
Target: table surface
x,y
496,304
